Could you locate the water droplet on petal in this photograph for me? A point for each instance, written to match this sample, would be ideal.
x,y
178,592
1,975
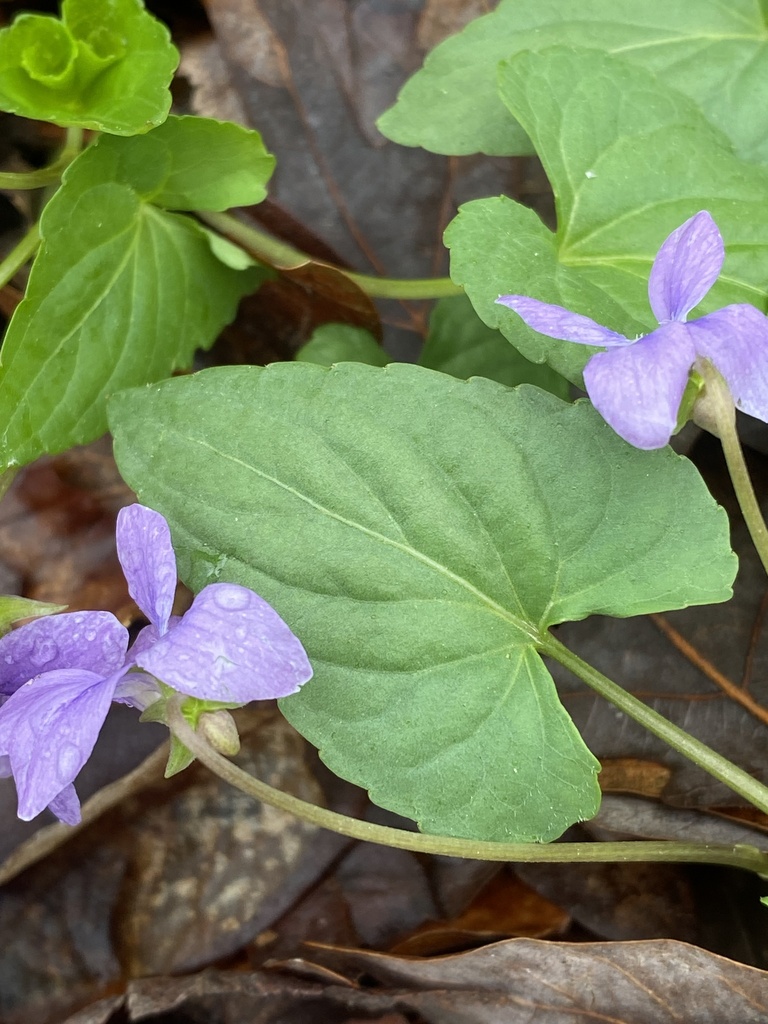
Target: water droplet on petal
x,y
68,761
232,598
43,652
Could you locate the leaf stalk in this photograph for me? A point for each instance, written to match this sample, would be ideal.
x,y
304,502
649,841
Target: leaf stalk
x,y
23,251
716,412
282,256
13,181
699,753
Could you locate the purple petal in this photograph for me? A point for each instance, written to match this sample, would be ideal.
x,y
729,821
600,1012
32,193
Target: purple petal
x,y
556,322
66,806
138,690
48,728
231,646
94,641
638,390
686,267
735,339
146,555
147,638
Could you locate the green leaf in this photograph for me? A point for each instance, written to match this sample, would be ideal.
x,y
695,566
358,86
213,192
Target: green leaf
x,y
460,343
188,163
420,534
106,65
121,292
629,160
338,343
715,53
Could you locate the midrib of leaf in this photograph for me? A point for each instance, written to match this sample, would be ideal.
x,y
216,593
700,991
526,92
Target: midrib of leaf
x,y
507,648
686,39
524,626
94,305
157,222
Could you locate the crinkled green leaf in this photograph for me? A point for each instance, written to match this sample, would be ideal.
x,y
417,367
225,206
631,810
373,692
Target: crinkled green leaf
x,y
460,343
419,534
121,292
629,160
106,65
338,343
714,52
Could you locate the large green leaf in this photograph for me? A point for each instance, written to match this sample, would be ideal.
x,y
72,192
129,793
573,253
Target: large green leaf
x,y
106,65
123,292
714,52
420,534
629,160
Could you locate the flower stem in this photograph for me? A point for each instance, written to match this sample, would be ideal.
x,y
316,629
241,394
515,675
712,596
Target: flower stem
x,y
705,757
19,255
282,256
716,412
737,855
49,175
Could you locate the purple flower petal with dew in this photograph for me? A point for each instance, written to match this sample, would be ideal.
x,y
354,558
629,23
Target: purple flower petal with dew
x,y
94,641
230,646
57,678
148,560
48,729
637,386
65,806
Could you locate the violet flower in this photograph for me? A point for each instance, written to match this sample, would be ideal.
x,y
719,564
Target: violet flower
x,y
637,385
57,679
58,675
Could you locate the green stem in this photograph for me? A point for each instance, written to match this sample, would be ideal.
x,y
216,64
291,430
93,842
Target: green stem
x,y
19,255
737,855
264,247
716,412
715,764
49,175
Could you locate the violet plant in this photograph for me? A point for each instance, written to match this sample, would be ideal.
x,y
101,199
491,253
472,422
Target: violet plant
x,y
422,532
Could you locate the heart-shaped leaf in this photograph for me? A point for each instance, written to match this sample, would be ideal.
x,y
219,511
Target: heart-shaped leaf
x,y
420,534
591,116
123,292
715,53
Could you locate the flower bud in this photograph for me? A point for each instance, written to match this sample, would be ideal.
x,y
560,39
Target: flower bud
x,y
219,729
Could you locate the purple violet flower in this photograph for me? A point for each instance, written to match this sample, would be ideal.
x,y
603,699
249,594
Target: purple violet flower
x,y
57,679
637,385
58,675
